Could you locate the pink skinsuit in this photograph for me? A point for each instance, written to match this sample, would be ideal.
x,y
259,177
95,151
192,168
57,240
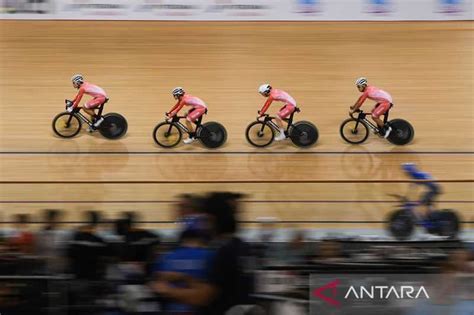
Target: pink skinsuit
x,y
197,104
382,98
280,96
95,91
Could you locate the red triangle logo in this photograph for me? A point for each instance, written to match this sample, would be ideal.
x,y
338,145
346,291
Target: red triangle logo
x,y
332,286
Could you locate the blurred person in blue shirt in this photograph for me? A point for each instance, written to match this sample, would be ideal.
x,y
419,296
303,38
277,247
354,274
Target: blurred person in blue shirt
x,y
425,180
228,280
185,268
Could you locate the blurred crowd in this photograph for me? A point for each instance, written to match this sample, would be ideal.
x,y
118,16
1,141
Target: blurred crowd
x,y
114,268
122,268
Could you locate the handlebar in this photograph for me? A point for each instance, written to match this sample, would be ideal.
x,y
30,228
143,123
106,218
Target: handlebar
x,y
69,104
357,111
264,115
399,197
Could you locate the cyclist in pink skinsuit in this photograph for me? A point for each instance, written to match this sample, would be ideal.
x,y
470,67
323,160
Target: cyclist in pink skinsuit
x,y
98,94
281,96
198,109
383,99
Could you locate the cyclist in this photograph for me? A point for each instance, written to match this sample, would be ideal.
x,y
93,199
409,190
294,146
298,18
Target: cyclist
x,y
198,109
281,96
433,189
383,99
98,94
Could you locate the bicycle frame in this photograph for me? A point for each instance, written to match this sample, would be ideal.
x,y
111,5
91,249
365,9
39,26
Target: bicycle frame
x,y
362,117
84,118
410,206
405,203
269,121
176,120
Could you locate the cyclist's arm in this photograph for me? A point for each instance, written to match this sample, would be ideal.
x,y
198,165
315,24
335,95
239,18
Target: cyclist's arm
x,y
266,105
360,101
176,108
78,98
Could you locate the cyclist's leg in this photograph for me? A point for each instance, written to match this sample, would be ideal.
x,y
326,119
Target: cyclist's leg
x,y
90,112
284,113
192,116
380,110
429,198
91,105
190,127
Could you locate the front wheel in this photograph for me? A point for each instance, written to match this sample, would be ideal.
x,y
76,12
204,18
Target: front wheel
x,y
401,224
303,133
212,134
259,134
402,132
114,126
354,131
167,135
66,125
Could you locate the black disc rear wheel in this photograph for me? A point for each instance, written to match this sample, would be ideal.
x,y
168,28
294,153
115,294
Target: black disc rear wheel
x,y
303,134
402,132
212,134
448,223
114,126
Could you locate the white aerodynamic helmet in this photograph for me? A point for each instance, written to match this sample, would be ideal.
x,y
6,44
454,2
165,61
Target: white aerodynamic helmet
x,y
177,92
77,79
361,81
264,89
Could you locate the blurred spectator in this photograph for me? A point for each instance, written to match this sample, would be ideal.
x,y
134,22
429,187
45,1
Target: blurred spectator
x,y
458,261
296,251
141,244
267,229
2,243
186,267
188,204
330,250
134,250
266,245
231,272
451,290
117,268
51,242
21,241
86,250
470,250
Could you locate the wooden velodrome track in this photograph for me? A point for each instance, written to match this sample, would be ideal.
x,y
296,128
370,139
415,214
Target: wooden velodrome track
x,y
427,67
